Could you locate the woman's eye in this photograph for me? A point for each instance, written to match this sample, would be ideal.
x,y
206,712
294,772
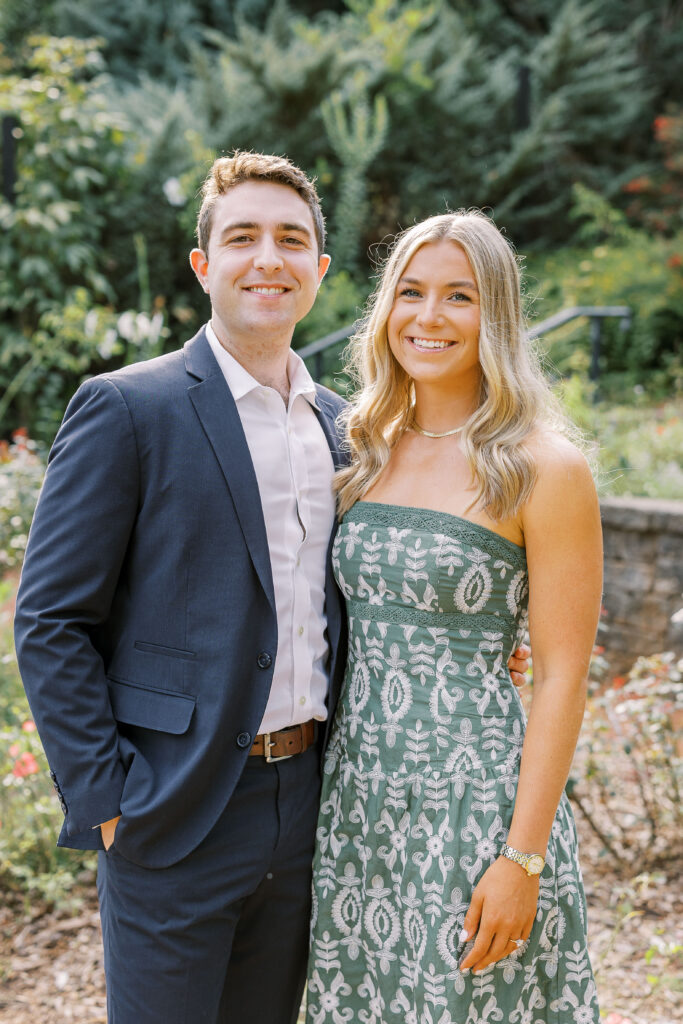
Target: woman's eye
x,y
409,293
461,297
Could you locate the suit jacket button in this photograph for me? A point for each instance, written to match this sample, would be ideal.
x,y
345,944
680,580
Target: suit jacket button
x,y
244,739
264,660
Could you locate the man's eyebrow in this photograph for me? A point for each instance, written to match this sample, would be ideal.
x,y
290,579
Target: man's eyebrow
x,y
301,229
245,225
451,284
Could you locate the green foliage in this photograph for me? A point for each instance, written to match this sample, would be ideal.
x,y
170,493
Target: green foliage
x,y
357,138
656,199
21,476
637,447
139,35
620,265
30,815
401,109
627,775
69,157
262,90
156,208
588,93
70,343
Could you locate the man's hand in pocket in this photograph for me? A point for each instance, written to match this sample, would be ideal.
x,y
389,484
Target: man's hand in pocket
x,y
108,829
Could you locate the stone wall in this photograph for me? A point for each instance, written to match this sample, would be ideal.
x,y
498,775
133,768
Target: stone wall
x,y
643,540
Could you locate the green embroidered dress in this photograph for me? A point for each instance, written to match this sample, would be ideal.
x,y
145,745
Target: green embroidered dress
x,y
419,788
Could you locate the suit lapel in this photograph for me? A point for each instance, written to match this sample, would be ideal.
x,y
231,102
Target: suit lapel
x,y
327,415
217,412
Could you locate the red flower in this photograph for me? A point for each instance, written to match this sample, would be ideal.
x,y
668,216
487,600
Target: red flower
x,y
14,750
29,726
25,765
618,682
676,260
637,184
662,127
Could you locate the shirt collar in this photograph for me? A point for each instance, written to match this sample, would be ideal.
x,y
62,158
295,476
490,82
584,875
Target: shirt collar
x,y
241,382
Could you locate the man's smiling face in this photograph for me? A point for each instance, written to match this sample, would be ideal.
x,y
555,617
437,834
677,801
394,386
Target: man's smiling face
x,y
263,268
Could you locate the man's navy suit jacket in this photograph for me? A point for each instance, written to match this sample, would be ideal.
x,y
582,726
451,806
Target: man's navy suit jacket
x,y
145,627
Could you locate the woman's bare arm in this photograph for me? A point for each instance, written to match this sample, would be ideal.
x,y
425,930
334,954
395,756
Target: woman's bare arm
x,y
564,553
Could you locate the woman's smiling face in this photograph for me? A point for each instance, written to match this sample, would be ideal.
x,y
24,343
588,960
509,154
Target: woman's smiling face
x,y
433,327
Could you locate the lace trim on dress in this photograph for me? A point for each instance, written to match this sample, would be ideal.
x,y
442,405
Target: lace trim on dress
x,y
408,615
380,514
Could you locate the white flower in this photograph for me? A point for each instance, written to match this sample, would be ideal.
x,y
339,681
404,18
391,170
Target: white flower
x,y
173,191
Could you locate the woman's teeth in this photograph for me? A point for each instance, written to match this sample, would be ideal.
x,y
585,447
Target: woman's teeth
x,y
428,343
267,291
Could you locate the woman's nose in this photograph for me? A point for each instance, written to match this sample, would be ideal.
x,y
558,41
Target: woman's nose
x,y
429,313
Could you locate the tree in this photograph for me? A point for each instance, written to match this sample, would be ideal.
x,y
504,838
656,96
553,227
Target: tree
x,y
70,158
356,137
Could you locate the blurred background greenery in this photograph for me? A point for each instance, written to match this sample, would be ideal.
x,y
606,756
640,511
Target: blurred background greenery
x,y
563,118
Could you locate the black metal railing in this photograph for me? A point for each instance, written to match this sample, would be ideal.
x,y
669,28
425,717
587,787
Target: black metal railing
x,y
318,350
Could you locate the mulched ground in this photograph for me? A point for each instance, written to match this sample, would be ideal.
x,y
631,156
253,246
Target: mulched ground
x,y
51,963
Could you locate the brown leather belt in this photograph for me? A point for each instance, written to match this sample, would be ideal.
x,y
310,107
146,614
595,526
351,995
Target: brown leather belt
x,y
276,746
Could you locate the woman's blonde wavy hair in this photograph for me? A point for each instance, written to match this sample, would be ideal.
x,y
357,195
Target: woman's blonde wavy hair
x,y
515,397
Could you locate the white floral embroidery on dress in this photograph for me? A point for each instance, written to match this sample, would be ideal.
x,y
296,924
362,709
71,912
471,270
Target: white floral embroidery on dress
x,y
420,777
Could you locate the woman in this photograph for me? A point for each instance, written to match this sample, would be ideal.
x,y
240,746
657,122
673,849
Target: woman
x,y
447,887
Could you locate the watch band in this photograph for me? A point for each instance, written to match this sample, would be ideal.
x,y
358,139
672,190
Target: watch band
x,y
533,863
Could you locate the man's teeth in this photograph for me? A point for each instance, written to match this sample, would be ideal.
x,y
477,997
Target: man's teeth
x,y
427,343
268,291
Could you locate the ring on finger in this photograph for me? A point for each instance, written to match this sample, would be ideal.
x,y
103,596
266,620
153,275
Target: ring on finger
x,y
517,942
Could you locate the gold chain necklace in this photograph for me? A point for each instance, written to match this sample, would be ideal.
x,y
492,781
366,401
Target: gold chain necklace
x,y
428,433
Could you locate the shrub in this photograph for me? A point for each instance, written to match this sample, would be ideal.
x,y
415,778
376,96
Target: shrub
x,y
628,769
636,446
21,475
30,815
616,265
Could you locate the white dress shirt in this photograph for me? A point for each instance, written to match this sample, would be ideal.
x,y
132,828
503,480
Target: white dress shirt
x,y
294,470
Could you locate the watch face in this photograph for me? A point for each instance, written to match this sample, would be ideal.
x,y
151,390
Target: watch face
x,y
535,864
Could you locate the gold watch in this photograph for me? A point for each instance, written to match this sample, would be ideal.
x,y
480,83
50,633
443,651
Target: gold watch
x,y
533,863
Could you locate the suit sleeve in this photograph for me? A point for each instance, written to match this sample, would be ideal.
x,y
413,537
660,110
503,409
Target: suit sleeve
x,y
77,544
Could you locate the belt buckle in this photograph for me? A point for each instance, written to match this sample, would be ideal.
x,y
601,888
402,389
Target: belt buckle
x,y
267,744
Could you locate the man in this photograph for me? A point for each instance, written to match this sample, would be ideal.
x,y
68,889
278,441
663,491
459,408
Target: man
x,y
178,628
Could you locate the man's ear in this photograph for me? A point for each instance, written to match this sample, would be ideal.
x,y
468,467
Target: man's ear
x,y
200,265
323,266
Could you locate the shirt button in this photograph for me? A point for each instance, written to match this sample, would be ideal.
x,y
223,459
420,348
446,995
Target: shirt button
x,y
300,630
302,700
243,739
298,562
264,660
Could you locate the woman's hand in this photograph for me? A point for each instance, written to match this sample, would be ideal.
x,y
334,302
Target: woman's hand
x,y
502,909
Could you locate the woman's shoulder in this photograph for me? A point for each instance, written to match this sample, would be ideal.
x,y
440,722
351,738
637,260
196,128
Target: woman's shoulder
x,y
554,452
563,472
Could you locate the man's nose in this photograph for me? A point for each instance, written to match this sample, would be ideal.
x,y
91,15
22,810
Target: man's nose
x,y
268,256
